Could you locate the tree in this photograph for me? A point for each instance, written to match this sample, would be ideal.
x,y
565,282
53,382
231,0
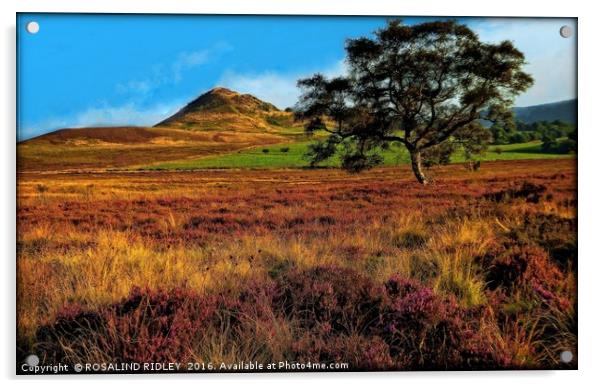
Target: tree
x,y
426,87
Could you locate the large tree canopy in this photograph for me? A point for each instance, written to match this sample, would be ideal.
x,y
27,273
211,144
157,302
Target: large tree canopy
x,y
426,86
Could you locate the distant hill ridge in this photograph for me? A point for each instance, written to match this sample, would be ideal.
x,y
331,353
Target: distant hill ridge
x,y
562,110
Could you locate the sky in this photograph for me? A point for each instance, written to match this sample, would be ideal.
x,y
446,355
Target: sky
x,y
103,70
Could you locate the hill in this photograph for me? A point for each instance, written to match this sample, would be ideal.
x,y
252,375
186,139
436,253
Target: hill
x,y
561,110
224,109
219,121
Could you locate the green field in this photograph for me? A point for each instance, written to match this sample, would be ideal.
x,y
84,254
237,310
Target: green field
x,y
277,157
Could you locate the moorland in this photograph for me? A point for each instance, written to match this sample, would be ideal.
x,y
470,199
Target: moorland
x,y
207,238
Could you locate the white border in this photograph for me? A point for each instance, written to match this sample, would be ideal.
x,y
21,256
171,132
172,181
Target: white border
x,y
317,7
590,141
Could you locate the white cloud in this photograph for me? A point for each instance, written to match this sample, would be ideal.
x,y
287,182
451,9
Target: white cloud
x,y
128,114
172,73
552,60
165,74
142,87
188,60
279,89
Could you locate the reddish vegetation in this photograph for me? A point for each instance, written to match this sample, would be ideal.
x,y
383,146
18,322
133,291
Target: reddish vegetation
x,y
498,292
341,315
147,326
211,203
401,325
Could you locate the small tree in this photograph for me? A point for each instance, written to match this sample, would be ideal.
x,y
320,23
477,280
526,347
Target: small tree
x,y
426,87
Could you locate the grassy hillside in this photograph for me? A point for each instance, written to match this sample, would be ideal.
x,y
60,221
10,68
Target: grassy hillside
x,y
84,148
292,156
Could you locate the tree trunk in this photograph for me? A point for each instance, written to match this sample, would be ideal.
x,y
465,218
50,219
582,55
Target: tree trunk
x,y
417,167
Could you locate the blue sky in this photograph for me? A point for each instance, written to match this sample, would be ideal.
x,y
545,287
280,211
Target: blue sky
x,y
98,70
